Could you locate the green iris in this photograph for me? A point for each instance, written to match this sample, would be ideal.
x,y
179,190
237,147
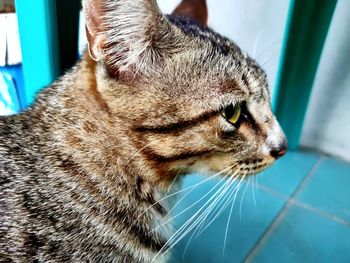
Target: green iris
x,y
232,113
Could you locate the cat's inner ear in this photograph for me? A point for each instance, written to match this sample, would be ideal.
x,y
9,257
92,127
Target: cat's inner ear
x,y
125,34
93,11
194,9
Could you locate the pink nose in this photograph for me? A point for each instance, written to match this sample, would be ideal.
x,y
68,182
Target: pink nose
x,y
279,151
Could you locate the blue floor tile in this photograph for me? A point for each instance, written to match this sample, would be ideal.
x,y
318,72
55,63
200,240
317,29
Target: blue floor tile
x,y
286,174
246,225
304,236
329,189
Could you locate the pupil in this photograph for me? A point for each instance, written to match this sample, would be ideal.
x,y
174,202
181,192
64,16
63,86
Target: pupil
x,y
229,111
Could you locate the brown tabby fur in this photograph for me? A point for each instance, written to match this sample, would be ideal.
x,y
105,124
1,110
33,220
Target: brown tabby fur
x,y
81,166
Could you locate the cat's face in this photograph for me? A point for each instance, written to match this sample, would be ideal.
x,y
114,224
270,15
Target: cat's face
x,y
191,98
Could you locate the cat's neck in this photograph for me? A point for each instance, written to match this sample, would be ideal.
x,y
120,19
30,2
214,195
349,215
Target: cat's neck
x,y
95,160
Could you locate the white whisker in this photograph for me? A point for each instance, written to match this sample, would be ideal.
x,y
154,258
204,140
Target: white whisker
x,y
242,197
214,211
200,220
230,214
173,182
188,208
257,40
182,230
214,205
253,190
274,43
139,151
180,191
269,60
235,190
194,189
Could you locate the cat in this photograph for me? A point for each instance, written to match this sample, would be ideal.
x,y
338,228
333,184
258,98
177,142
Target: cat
x,y
83,170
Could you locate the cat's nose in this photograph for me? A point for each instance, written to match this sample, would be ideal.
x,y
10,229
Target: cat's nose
x,y
280,150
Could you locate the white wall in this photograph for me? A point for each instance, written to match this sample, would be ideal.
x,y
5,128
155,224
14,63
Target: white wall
x,y
327,124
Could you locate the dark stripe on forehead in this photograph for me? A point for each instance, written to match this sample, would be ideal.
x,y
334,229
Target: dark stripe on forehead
x,y
193,29
177,127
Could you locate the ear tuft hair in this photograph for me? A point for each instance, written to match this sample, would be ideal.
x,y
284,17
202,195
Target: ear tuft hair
x,y
125,33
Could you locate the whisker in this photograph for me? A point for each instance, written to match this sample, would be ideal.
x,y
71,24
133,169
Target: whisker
x,y
274,43
269,60
193,190
200,220
242,197
253,190
257,40
182,231
139,151
214,205
214,211
227,227
230,214
183,211
173,182
235,191
180,191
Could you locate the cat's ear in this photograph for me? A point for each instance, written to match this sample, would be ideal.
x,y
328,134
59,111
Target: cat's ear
x,y
194,9
93,10
125,34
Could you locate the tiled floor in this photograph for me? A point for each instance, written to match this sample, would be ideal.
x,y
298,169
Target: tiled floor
x,y
299,211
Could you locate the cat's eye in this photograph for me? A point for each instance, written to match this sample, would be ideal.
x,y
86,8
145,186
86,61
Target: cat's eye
x,y
232,113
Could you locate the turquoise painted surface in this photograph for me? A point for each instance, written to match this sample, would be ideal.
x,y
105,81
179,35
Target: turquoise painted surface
x,y
9,103
39,43
305,236
287,173
16,74
249,219
329,189
299,215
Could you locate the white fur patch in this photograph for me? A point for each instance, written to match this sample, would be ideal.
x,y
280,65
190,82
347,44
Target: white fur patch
x,y
274,139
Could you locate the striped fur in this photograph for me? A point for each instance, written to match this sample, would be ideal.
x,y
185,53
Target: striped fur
x,y
83,171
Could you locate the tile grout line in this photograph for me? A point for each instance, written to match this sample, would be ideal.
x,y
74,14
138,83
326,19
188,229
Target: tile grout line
x,y
305,206
268,232
321,213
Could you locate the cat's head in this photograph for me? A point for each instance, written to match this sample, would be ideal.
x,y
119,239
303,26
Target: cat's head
x,y
190,99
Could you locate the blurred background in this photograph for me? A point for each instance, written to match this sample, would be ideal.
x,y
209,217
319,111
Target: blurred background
x,y
299,210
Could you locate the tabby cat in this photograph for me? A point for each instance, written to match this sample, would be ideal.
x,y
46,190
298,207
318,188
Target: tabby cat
x,y
83,171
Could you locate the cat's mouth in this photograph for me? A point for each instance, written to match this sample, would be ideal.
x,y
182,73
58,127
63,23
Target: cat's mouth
x,y
251,167
224,165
